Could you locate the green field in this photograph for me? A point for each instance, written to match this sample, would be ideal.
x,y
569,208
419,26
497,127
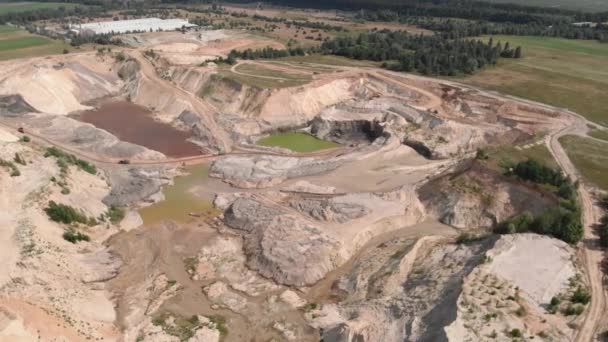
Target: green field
x,y
16,43
565,73
590,157
15,7
297,142
577,5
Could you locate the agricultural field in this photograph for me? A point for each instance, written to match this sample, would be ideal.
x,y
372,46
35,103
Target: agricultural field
x,y
589,157
15,7
577,5
16,43
566,73
297,142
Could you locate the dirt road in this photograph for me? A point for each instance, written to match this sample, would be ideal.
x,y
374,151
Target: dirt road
x,y
592,252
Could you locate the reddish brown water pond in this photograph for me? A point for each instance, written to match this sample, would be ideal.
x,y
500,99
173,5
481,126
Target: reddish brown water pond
x,y
135,124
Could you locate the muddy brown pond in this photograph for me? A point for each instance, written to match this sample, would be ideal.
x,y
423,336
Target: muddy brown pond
x,y
135,124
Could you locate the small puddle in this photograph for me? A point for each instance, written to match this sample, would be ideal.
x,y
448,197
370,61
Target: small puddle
x,y
180,203
135,124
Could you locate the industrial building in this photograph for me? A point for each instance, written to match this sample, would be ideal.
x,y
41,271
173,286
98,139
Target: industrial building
x,y
134,25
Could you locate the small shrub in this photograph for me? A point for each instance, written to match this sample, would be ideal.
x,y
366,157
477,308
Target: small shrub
x,y
74,236
466,238
581,296
573,310
311,306
115,214
25,138
64,213
482,154
515,333
65,159
12,168
120,56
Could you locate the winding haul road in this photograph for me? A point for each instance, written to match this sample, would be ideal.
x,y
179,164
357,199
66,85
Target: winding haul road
x,y
592,252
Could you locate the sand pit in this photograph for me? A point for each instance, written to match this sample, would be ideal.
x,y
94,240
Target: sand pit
x,y
547,261
5,136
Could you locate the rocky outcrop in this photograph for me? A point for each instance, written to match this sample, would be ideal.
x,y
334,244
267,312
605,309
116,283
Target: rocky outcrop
x,y
130,186
424,299
330,209
282,246
128,70
265,171
345,132
234,98
201,135
14,105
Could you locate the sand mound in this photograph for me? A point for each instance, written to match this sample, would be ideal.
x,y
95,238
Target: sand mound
x,y
60,87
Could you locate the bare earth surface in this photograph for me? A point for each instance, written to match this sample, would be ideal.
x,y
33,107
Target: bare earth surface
x,y
354,243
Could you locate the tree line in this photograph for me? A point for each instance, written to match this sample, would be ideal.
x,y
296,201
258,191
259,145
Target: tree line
x,y
453,29
428,55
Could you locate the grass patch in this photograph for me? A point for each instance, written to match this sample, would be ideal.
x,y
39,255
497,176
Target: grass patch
x,y
261,77
74,236
328,60
599,134
115,214
63,213
17,43
185,327
499,157
20,43
7,29
565,73
10,167
64,159
16,7
297,142
589,157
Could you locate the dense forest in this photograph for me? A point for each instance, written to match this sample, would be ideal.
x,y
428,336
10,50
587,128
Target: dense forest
x,y
428,55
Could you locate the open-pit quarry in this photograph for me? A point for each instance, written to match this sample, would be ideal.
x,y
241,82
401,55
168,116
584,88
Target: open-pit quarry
x,y
358,242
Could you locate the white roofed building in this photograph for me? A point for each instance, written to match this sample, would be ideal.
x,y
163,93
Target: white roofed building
x,y
123,26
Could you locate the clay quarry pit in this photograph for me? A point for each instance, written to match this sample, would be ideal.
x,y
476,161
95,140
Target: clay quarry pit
x,y
350,243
